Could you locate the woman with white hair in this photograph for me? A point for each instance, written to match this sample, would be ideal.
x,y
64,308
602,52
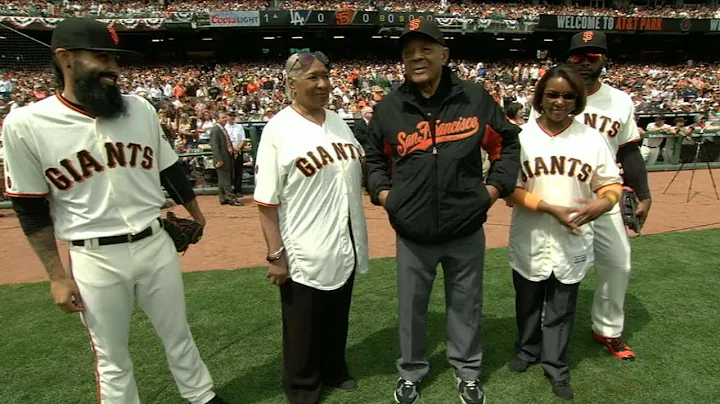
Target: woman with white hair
x,y
308,177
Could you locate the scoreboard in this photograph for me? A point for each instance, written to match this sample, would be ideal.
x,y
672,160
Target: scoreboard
x,y
349,18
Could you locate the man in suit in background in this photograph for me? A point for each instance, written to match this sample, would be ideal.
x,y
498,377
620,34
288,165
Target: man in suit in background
x,y
223,157
361,125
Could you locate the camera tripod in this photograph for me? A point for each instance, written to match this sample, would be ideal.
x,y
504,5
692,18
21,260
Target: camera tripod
x,y
698,148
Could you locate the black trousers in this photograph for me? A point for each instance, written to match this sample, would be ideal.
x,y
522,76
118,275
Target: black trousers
x,y
548,344
237,179
315,328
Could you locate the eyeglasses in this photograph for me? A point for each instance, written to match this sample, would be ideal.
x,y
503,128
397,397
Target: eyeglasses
x,y
590,57
305,58
566,96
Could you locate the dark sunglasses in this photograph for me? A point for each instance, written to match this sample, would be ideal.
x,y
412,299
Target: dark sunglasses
x,y
590,57
566,96
305,58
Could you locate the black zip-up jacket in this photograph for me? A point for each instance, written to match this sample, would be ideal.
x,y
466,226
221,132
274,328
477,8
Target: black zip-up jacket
x,y
427,153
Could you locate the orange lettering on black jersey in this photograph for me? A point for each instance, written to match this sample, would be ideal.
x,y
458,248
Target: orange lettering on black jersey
x,y
444,132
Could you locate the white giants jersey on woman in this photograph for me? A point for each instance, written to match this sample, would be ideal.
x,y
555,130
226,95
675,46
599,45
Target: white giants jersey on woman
x,y
611,113
101,176
558,168
313,175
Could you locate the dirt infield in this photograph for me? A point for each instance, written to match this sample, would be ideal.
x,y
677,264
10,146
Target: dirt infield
x,y
233,238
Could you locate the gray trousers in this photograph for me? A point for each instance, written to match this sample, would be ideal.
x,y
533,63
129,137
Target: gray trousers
x,y
548,344
226,176
462,262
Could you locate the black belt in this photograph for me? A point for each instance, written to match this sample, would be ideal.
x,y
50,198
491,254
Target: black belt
x,y
123,238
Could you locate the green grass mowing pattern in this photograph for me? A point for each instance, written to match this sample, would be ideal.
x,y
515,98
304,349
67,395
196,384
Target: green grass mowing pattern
x,y
672,322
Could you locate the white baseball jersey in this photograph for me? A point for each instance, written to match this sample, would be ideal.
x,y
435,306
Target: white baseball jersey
x,y
656,141
101,176
313,175
611,112
557,168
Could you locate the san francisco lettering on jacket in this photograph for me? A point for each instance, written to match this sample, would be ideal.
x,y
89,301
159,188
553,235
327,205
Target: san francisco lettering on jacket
x,y
444,132
558,165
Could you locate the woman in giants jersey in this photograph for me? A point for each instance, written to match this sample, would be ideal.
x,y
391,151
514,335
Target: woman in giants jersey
x,y
308,187
565,164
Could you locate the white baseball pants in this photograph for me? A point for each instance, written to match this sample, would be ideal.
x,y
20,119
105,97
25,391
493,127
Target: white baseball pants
x,y
650,154
110,278
612,262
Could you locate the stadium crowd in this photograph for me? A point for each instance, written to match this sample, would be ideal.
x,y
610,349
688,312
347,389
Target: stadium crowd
x,y
500,10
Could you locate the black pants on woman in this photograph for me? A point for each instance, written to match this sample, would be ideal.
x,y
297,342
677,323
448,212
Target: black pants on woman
x,y
315,328
547,344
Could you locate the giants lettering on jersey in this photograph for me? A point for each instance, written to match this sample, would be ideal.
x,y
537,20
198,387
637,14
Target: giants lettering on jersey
x,y
343,151
607,125
85,164
558,165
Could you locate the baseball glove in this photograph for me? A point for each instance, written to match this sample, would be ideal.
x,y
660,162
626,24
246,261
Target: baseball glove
x,y
182,231
628,206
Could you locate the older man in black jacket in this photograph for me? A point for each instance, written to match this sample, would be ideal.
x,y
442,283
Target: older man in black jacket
x,y
431,130
223,157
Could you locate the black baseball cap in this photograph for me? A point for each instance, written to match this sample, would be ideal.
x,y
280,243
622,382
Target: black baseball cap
x,y
421,27
88,34
589,41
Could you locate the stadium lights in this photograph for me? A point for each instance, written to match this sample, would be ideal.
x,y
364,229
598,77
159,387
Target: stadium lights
x,y
2,37
547,40
207,39
157,40
297,37
376,37
517,39
500,39
339,37
394,37
452,37
514,50
268,37
171,39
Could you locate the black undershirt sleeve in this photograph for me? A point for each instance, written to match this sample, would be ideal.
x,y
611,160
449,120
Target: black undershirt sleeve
x,y
634,170
33,213
176,184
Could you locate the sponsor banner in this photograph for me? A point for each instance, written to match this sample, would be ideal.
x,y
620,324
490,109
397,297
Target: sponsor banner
x,y
234,18
620,24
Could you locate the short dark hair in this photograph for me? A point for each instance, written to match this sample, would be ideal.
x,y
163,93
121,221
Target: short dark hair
x,y
573,78
513,109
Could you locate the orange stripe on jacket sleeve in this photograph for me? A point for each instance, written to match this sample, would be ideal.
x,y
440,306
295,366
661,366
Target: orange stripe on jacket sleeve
x,y
492,143
267,205
19,195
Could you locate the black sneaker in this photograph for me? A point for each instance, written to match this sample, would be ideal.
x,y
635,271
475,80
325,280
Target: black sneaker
x,y
518,365
471,391
406,392
562,389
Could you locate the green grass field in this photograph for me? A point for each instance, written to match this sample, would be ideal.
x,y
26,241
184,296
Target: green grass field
x,y
672,322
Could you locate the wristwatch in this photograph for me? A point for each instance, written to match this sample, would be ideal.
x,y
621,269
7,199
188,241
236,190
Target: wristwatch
x,y
276,255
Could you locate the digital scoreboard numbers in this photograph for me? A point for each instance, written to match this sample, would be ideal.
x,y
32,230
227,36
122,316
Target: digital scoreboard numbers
x,y
280,18
299,18
400,18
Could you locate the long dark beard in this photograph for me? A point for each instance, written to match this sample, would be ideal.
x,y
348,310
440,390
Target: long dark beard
x,y
95,97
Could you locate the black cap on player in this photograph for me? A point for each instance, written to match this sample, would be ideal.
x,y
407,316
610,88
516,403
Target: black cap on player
x,y
423,28
86,34
588,42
